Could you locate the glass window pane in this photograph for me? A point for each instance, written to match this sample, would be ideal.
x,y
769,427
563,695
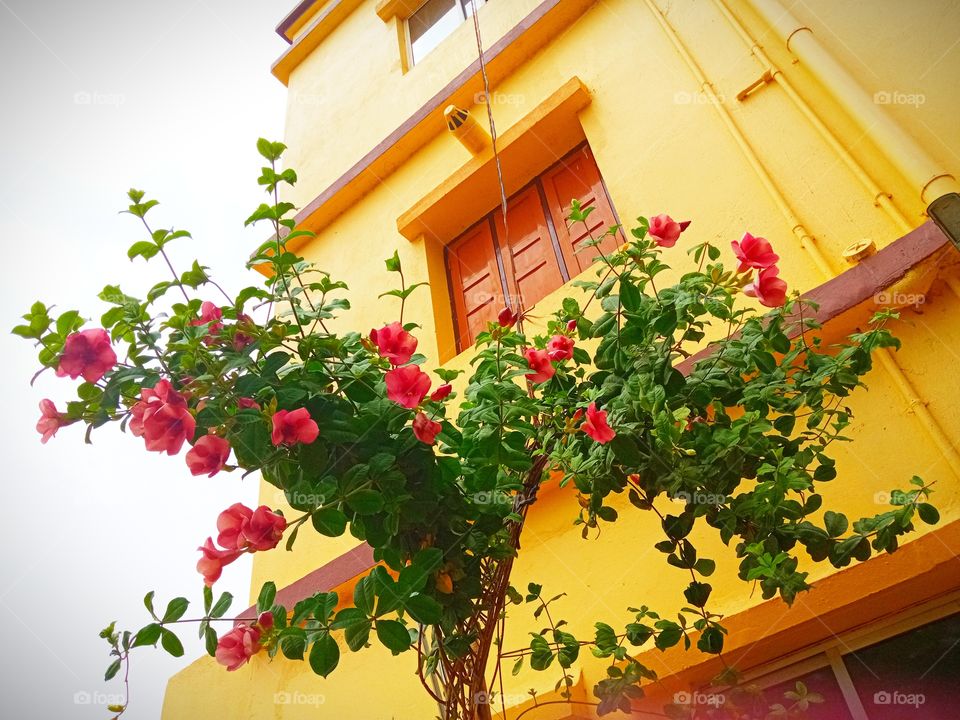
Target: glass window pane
x,y
431,24
824,697
914,675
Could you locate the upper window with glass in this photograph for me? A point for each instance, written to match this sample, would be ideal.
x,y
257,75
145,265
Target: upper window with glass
x,y
434,21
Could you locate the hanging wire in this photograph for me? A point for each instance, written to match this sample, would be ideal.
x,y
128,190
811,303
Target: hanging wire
x,y
496,159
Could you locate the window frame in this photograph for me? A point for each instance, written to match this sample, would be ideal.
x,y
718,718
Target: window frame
x,y
409,61
830,653
566,272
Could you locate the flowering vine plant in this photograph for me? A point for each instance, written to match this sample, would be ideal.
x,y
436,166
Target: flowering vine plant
x,y
621,395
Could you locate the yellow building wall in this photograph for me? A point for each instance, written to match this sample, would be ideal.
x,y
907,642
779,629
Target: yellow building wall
x,y
661,146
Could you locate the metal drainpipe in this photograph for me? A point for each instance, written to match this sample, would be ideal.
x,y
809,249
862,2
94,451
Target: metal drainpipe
x,y
887,359
905,153
807,241
881,198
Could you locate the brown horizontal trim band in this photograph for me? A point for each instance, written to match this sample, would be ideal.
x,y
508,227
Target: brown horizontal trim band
x,y
863,281
325,578
292,18
836,297
427,122
920,571
308,40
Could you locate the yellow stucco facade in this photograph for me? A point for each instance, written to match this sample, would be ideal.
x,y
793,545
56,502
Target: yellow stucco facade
x,y
817,128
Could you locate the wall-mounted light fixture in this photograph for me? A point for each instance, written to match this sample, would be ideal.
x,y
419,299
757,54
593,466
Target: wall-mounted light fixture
x,y
465,129
945,211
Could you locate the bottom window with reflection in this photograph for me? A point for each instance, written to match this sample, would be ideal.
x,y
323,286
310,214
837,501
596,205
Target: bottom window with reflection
x,y
519,261
910,676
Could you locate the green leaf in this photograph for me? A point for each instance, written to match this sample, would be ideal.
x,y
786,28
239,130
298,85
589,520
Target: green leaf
x,y
711,640
542,656
705,566
112,670
222,605
147,635
268,594
365,502
835,523
210,640
393,262
148,603
394,635
324,655
424,609
630,296
329,521
144,249
364,594
294,645
928,513
171,643
175,609
357,634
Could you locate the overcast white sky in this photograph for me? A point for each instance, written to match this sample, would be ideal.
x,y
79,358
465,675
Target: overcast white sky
x,y
98,96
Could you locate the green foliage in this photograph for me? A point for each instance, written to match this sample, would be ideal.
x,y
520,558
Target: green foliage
x,y
734,442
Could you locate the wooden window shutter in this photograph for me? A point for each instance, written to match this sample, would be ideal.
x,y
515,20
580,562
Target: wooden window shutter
x,y
577,177
528,241
475,282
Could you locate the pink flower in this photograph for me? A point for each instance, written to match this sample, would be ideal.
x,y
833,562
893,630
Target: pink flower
x,y
560,347
571,326
425,429
665,230
211,564
87,353
596,425
208,455
210,315
753,252
161,417
246,403
394,343
407,385
290,428
237,647
441,392
265,621
769,289
50,420
230,524
541,369
241,528
264,529
507,318
241,337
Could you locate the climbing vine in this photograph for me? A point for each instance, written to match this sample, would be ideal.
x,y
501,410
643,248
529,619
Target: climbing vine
x,y
711,389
